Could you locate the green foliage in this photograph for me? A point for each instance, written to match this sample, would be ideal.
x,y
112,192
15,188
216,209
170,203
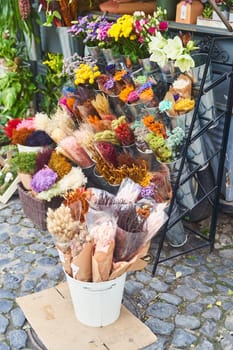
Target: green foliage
x,y
24,162
10,19
208,11
16,92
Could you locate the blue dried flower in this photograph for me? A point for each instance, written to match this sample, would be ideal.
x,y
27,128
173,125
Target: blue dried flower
x,y
43,179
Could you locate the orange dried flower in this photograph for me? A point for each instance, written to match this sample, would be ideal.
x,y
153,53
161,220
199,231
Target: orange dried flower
x,y
119,75
20,136
123,95
147,95
74,197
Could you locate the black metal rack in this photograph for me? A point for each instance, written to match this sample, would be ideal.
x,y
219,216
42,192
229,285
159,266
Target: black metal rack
x,y
213,194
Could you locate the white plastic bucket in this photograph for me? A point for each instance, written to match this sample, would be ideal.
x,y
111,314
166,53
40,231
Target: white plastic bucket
x,y
97,304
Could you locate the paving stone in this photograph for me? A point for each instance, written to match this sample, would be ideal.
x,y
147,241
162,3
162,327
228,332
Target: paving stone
x,y
147,296
160,327
186,321
19,251
4,249
186,292
26,222
143,277
170,298
197,285
3,346
46,261
38,247
12,281
36,273
29,257
209,299
228,305
18,317
17,339
52,252
205,345
227,342
183,339
5,305
222,289
162,310
161,344
4,236
229,322
207,278
209,328
194,308
5,262
6,294
28,286
158,285
184,270
14,220
3,324
214,312
228,281
56,273
221,270
226,253
132,287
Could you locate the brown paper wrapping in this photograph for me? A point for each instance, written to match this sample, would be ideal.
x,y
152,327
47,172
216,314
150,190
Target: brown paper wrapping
x,y
135,264
65,257
102,264
83,262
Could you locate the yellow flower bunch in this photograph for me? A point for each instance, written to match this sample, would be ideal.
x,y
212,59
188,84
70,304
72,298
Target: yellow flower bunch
x,y
86,74
122,28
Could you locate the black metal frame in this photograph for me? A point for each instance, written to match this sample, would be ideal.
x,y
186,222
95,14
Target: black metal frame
x,y
208,241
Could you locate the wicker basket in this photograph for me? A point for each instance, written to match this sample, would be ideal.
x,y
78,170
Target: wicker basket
x,y
36,209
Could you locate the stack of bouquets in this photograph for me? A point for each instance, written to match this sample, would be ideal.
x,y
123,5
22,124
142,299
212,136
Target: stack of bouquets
x,y
100,236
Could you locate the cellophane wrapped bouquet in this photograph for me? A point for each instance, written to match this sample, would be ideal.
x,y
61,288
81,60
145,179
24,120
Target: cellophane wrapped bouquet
x,y
100,236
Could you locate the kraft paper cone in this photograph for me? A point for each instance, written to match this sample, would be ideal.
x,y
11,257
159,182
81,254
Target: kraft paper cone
x,y
135,264
81,264
102,264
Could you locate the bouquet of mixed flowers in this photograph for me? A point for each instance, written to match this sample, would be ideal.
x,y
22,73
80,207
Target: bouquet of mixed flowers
x,y
100,236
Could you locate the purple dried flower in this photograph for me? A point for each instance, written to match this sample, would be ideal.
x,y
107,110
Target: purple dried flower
x,y
43,179
147,191
109,84
38,138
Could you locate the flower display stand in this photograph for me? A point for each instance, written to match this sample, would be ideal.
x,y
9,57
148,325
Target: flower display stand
x,y
212,193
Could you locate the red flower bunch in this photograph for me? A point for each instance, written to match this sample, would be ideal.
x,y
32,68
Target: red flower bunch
x,y
123,132
10,126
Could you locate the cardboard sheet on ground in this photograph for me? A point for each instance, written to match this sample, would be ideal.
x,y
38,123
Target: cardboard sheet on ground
x,y
50,313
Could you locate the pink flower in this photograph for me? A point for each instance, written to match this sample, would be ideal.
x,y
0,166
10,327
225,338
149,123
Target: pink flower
x,y
163,25
27,123
152,30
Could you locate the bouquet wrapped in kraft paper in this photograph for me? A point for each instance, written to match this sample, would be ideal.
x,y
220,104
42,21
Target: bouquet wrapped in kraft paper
x,y
100,236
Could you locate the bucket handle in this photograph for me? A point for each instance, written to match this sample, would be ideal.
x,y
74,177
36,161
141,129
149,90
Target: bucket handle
x,y
99,290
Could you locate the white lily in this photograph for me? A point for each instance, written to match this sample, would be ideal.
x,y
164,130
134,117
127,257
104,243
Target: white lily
x,y
156,42
174,48
184,62
159,57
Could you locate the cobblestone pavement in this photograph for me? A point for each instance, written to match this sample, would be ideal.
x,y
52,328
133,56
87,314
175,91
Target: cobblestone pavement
x,y
188,304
